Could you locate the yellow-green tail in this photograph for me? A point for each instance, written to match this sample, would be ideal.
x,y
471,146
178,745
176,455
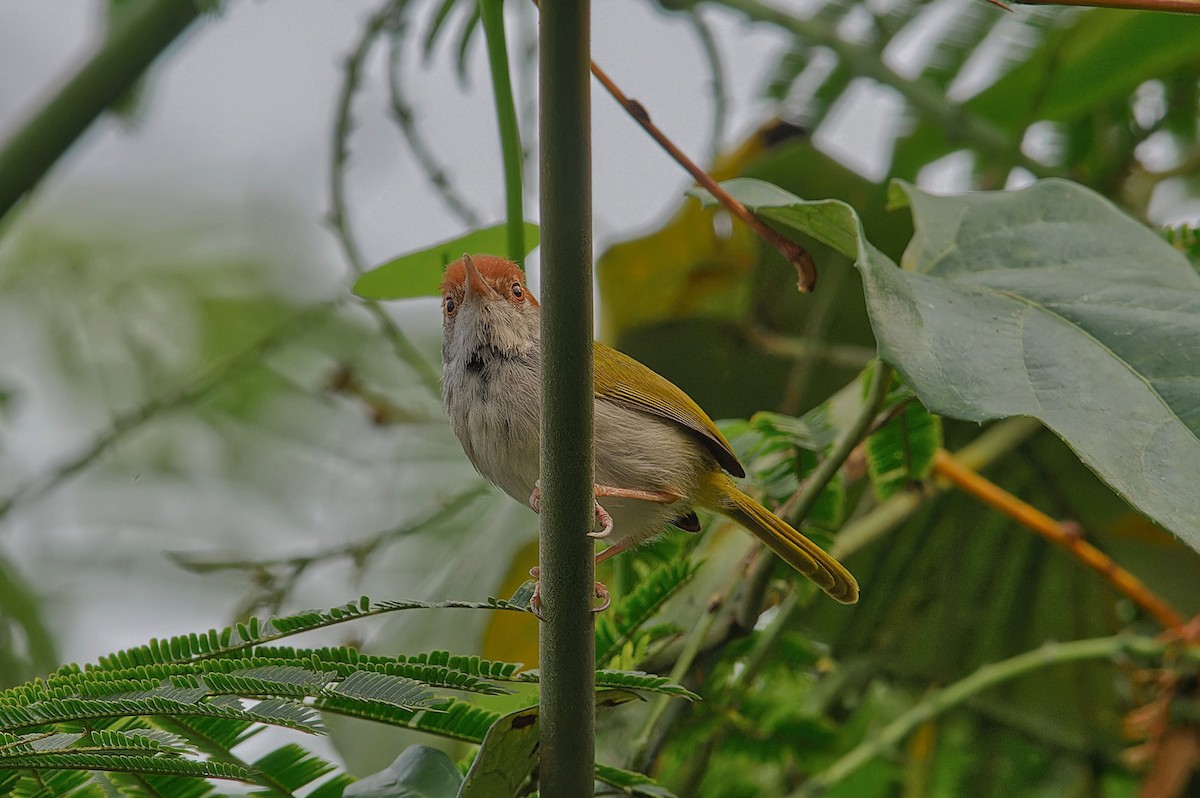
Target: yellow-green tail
x,y
798,551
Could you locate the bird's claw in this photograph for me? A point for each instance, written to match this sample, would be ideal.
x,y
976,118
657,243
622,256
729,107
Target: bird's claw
x,y
605,597
535,601
606,522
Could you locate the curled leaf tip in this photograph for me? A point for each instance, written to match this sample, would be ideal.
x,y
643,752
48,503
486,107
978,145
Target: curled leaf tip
x,y
806,270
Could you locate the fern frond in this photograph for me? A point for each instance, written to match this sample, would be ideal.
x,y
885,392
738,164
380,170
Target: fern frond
x,y
642,682
293,767
631,783
380,687
97,741
334,787
614,629
144,715
54,784
900,453
629,680
157,785
173,766
457,720
243,636
276,712
435,668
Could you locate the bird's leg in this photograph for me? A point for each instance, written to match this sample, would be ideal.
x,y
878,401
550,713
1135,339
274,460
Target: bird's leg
x,y
535,601
617,548
606,522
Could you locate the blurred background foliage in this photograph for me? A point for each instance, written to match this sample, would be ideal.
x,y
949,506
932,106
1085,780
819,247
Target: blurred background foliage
x,y
196,421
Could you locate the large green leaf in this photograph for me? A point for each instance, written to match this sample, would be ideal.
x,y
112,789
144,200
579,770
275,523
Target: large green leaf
x,y
1046,302
509,752
420,273
419,772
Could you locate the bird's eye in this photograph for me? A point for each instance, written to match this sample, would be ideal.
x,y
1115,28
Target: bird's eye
x,y
449,306
517,291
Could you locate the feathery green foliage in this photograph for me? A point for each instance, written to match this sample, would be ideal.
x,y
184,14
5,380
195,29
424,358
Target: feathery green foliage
x,y
900,453
615,630
161,718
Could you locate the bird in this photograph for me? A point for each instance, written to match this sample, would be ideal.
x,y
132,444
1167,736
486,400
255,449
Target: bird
x,y
658,456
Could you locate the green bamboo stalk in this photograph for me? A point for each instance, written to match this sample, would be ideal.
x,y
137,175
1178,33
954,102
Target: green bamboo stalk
x,y
567,637
492,15
126,54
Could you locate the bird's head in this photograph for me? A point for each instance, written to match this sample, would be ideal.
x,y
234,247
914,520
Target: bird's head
x,y
486,307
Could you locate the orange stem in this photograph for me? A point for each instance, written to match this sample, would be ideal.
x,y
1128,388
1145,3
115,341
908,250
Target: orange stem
x,y
1067,535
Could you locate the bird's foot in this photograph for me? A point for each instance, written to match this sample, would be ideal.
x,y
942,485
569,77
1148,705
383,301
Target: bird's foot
x,y
602,516
535,601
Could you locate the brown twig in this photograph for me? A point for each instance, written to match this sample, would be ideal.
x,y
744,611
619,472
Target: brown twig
x,y
1177,6
1064,534
793,252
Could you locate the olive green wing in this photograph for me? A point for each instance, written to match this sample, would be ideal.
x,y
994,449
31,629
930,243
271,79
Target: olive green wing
x,y
624,381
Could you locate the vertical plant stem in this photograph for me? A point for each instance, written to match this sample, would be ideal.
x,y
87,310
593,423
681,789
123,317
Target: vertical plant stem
x,y
127,52
492,13
339,213
567,638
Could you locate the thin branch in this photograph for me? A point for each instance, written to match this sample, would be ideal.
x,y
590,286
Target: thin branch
x,y
127,52
802,503
1067,535
790,250
382,20
278,575
132,420
643,743
1176,6
987,676
798,506
727,710
219,753
716,71
406,119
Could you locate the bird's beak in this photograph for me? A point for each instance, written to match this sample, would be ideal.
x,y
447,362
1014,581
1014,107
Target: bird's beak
x,y
476,285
